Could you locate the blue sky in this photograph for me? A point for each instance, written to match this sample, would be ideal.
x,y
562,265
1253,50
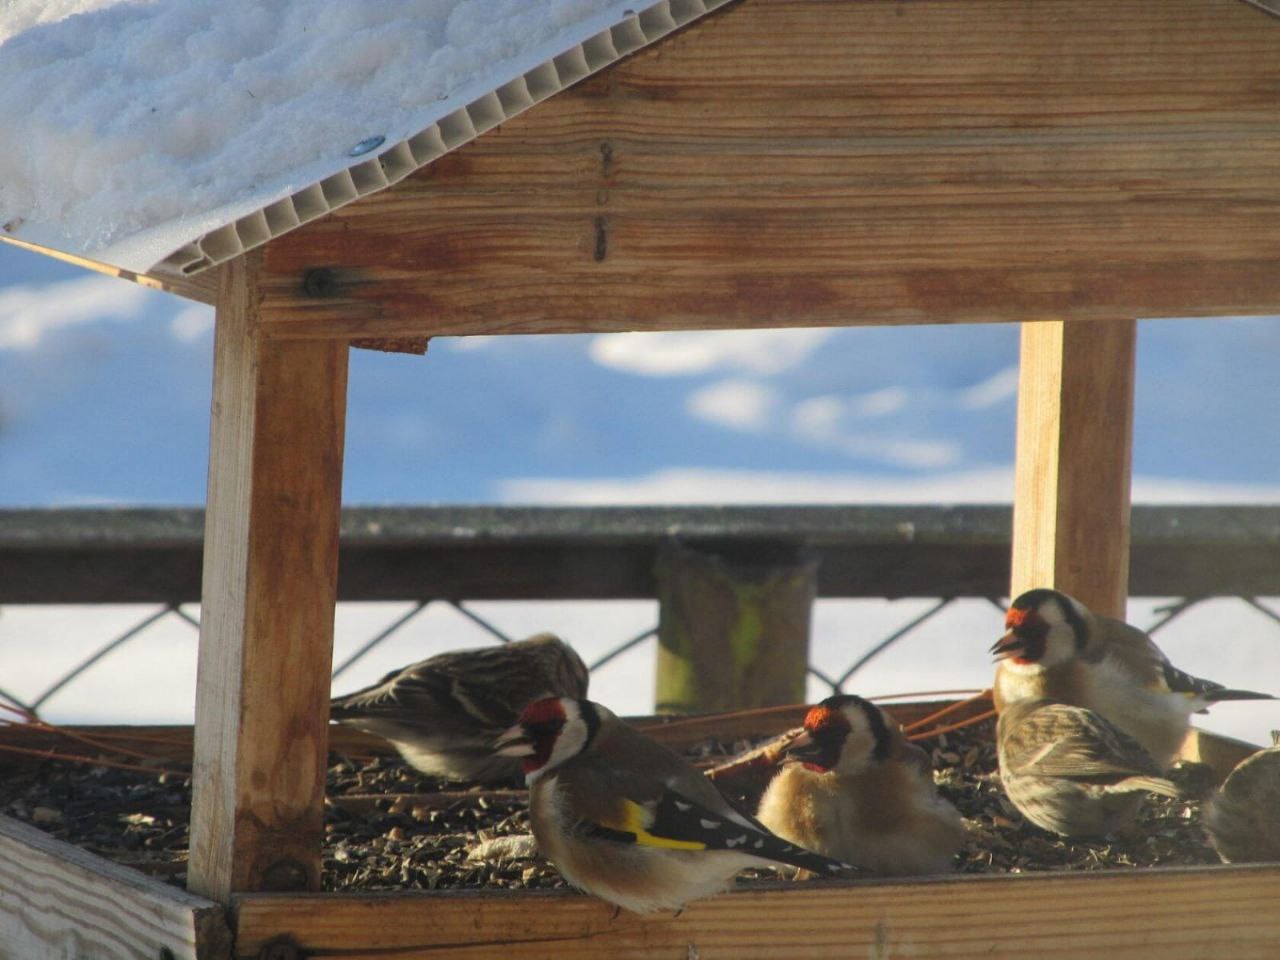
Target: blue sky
x,y
104,397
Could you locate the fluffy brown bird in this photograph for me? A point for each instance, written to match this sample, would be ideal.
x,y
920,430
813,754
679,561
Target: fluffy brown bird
x,y
443,713
1243,818
630,821
1055,647
854,788
1070,771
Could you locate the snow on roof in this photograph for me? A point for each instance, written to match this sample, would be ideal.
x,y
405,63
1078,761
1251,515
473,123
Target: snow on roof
x,y
171,135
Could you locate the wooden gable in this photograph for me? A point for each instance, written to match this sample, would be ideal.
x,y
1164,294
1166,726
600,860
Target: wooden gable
x,y
803,162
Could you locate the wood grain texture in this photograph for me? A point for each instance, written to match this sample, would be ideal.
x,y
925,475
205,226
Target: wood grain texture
x,y
1172,914
270,574
57,900
202,287
811,162
1074,453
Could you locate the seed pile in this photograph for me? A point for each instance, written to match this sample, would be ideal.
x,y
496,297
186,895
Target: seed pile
x,y
387,827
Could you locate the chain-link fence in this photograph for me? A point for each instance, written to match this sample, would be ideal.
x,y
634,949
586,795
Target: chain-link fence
x,y
136,662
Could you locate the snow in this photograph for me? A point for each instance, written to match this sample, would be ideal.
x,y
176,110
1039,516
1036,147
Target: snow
x,y
136,126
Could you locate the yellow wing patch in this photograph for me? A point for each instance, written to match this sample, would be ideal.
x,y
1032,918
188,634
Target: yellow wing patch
x,y
635,820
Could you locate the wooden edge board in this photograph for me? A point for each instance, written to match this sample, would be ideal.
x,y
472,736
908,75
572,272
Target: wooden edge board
x,y
202,288
57,900
1172,913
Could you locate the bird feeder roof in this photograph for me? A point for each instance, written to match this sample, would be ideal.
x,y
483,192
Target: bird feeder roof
x,y
169,137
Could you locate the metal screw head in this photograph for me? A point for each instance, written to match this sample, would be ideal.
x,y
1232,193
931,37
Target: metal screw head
x,y
367,144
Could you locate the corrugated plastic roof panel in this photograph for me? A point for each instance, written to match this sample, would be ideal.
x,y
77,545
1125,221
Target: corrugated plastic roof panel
x,y
200,239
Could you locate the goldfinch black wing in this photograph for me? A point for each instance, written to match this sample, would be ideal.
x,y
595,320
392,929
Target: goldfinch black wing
x,y
651,797
674,822
1179,681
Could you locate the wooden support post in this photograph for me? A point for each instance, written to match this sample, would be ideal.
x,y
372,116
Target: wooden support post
x,y
733,630
1074,453
270,575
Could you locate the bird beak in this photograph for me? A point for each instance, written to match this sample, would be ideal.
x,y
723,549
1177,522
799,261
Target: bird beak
x,y
514,743
1010,645
803,749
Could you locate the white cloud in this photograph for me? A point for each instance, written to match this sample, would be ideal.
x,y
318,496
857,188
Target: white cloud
x,y
878,403
746,405
819,420
693,485
989,392
192,323
1174,490
985,485
763,352
817,417
29,312
468,344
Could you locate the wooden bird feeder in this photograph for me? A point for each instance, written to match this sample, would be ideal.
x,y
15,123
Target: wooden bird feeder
x,y
1067,165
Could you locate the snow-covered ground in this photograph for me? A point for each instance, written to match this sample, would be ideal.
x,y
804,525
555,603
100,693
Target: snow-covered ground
x,y
152,679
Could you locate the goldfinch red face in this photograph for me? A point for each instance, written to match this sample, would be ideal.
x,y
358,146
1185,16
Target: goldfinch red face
x,y
1042,629
548,733
843,734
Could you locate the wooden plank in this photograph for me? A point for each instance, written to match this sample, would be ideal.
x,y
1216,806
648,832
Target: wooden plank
x,y
57,900
811,162
202,287
270,575
1173,914
1074,453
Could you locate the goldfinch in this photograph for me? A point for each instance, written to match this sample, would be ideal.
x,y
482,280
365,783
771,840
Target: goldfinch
x,y
1242,818
1055,647
1070,771
628,820
443,713
852,787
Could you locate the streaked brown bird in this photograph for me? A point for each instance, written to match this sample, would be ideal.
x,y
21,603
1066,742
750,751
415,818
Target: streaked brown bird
x,y
1055,647
1070,771
444,712
854,788
630,821
1242,818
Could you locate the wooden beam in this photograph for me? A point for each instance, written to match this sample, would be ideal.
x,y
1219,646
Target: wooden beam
x,y
1074,452
57,900
814,162
270,574
202,287
1174,914
562,553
